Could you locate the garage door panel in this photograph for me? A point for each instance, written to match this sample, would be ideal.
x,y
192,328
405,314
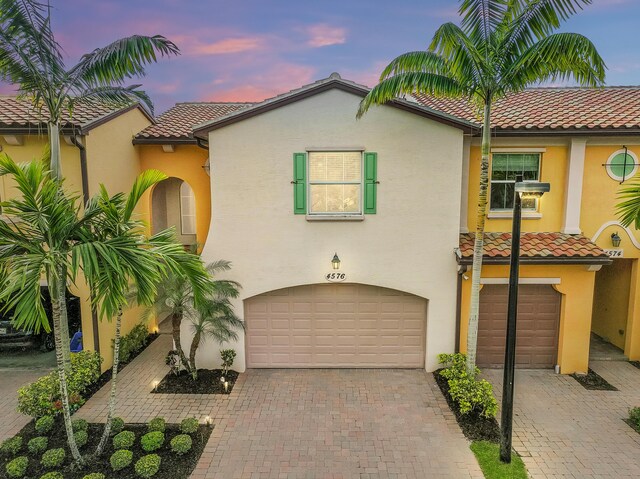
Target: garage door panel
x,y
335,326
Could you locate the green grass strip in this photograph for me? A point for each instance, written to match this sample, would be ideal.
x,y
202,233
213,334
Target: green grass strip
x,y
488,455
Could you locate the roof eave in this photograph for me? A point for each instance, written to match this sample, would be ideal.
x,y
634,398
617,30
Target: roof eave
x,y
541,260
164,141
513,132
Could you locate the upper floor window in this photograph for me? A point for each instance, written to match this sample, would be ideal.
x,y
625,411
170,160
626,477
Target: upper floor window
x,y
335,182
504,169
622,165
187,209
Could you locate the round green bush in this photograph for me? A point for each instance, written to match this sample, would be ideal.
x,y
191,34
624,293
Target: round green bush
x,y
11,446
79,425
152,441
38,445
17,467
81,438
121,459
117,425
181,444
94,475
53,458
45,424
52,475
189,425
148,465
124,440
156,424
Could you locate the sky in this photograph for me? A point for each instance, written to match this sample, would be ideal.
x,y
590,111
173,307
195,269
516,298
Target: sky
x,y
249,50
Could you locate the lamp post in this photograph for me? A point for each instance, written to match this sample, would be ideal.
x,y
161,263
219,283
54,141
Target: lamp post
x,y
523,190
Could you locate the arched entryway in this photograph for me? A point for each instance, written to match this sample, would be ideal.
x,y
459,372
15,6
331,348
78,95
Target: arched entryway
x,y
335,325
173,204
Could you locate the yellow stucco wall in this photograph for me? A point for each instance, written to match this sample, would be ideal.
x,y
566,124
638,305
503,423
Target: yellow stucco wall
x,y
576,283
186,163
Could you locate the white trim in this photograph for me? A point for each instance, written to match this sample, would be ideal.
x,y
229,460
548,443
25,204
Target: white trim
x,y
521,281
633,171
336,217
526,215
331,149
464,200
616,223
518,150
575,175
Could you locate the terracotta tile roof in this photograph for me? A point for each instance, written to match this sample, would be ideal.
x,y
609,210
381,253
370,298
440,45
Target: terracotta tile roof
x,y
179,120
556,109
21,114
556,247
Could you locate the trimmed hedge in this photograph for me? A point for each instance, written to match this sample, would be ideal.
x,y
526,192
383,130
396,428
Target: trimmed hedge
x,y
152,441
94,475
45,424
17,467
124,440
117,425
53,458
79,425
148,466
81,438
121,459
157,424
52,475
181,444
38,445
189,425
11,446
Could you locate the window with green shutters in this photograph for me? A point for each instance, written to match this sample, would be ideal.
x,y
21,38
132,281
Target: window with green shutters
x,y
504,169
340,183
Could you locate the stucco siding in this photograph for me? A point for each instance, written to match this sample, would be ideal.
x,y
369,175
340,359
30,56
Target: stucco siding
x,y
408,245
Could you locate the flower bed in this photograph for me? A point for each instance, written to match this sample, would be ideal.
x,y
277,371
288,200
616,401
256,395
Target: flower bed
x,y
208,382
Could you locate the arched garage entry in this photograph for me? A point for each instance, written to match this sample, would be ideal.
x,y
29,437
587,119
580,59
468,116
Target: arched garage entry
x,y
335,325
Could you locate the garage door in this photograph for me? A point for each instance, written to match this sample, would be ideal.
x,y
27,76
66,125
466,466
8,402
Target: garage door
x,y
537,329
335,325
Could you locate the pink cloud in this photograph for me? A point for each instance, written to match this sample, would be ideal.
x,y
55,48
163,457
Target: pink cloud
x,y
322,35
228,45
7,89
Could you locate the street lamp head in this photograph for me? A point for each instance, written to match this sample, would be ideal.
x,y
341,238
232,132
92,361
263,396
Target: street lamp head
x,y
531,189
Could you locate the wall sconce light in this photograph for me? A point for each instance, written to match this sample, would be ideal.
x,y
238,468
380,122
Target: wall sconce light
x,y
615,240
335,262
207,167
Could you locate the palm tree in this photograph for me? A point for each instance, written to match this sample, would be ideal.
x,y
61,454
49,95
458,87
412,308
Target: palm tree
x,y
215,318
628,210
501,47
31,58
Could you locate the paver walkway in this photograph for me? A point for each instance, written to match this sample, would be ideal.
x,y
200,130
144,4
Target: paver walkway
x,y
10,381
338,423
565,431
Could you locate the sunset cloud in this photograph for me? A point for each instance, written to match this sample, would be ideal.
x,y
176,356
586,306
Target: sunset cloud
x,y
190,45
323,35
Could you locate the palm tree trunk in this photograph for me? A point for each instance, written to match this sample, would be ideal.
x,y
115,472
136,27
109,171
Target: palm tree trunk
x,y
112,395
54,143
58,300
195,343
478,247
176,321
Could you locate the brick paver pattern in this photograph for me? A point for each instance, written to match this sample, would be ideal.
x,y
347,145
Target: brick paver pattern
x,y
10,381
562,430
338,423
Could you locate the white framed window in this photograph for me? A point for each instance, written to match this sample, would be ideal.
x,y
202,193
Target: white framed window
x,y
187,209
622,165
504,169
335,182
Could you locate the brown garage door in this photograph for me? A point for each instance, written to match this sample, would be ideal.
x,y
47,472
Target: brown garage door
x,y
335,325
537,328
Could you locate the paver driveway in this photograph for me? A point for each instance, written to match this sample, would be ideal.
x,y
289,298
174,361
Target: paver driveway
x,y
10,380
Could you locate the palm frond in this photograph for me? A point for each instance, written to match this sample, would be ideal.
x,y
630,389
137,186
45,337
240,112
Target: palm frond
x,y
481,17
628,210
113,96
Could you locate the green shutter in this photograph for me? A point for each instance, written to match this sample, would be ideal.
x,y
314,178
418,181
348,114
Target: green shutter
x,y
370,182
300,183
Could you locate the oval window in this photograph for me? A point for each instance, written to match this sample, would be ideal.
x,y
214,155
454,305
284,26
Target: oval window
x,y
622,165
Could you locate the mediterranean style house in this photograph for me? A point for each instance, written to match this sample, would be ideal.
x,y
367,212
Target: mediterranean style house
x,y
352,239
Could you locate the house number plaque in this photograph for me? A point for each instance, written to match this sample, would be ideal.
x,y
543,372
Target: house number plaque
x,y
615,253
335,277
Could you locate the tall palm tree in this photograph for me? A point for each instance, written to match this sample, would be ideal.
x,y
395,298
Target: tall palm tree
x,y
31,58
501,47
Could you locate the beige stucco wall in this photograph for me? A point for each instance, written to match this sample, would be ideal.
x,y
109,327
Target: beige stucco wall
x,y
408,245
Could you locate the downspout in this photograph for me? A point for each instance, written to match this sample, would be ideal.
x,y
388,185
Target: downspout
x,y
84,173
461,272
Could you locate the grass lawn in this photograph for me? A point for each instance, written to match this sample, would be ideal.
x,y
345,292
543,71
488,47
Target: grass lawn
x,y
488,455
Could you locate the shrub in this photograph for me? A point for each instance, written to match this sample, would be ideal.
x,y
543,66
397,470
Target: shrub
x,y
94,475
152,441
117,425
52,475
11,446
42,397
17,467
124,440
181,444
634,416
53,458
189,425
133,341
79,425
469,393
156,424
148,465
38,445
45,424
81,438
121,459
227,356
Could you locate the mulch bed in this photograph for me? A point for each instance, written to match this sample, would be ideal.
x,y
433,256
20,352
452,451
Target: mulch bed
x,y
473,425
172,466
593,381
208,382
635,363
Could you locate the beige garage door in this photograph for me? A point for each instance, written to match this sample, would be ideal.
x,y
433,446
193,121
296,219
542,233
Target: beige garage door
x,y
537,327
335,325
